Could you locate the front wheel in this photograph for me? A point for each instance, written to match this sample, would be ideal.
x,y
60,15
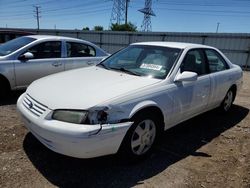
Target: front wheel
x,y
4,89
141,137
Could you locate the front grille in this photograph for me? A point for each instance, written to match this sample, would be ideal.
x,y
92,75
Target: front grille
x,y
34,106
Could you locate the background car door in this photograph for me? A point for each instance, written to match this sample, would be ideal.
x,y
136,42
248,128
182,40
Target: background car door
x,y
80,55
47,60
192,97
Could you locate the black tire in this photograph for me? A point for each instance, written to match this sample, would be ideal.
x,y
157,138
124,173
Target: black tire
x,y
150,126
228,100
4,89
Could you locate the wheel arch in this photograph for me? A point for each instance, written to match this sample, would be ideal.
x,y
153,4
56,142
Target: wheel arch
x,y
148,106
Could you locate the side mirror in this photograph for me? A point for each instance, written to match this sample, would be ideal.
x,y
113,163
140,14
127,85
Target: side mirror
x,y
186,76
26,56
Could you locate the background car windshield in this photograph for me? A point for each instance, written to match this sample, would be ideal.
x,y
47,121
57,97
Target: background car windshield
x,y
13,45
140,60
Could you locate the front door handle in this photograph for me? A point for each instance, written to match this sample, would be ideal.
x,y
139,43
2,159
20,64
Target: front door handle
x,y
56,64
90,63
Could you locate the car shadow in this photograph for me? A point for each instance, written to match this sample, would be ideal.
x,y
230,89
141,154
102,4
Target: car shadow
x,y
177,143
11,98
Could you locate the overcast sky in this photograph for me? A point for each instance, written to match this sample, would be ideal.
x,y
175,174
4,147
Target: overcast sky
x,y
171,15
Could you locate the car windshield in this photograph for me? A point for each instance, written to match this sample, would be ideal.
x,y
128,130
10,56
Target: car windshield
x,y
13,45
142,60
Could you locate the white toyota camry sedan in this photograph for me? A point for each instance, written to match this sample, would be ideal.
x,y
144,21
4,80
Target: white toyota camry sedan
x,y
126,101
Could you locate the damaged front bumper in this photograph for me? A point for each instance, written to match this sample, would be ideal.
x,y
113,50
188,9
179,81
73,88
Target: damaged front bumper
x,y
81,141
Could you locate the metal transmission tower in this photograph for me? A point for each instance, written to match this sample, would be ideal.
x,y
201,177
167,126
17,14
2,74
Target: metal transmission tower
x,y
119,11
148,12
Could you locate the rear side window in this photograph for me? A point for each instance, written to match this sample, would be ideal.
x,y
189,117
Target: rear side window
x,y
51,49
215,61
79,50
194,62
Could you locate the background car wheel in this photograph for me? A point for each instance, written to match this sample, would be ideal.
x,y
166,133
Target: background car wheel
x,y
228,101
141,137
4,89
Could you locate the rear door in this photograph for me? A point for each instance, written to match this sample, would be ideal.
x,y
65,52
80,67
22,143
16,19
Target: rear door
x,y
220,76
80,55
46,61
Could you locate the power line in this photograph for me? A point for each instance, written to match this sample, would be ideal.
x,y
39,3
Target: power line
x,y
78,6
212,11
84,12
62,10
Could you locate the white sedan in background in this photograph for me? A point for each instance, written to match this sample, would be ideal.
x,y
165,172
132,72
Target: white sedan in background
x,y
126,101
25,59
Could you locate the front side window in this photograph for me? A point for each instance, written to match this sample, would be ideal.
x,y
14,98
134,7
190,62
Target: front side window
x,y
15,44
215,61
194,61
79,50
51,49
153,61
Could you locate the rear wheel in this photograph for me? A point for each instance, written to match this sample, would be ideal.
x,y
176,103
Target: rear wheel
x,y
227,101
141,137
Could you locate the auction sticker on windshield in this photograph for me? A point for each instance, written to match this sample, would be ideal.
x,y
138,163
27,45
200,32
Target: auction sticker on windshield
x,y
151,66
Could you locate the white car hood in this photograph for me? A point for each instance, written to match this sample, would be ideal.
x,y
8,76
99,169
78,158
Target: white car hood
x,y
84,88
2,58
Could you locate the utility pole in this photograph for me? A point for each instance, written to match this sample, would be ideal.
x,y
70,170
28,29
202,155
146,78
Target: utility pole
x,y
218,25
126,12
37,16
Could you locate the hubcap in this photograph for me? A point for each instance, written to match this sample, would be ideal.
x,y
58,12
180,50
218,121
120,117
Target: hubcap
x,y
143,137
228,101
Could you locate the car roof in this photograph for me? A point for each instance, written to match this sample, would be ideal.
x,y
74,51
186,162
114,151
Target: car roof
x,y
53,37
181,45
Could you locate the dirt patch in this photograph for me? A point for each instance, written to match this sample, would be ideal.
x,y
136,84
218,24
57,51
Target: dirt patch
x,y
211,150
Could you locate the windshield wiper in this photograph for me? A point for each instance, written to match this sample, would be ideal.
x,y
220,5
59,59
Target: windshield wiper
x,y
126,71
101,64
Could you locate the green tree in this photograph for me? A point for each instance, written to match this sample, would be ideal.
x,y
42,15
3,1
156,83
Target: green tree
x,y
98,28
85,29
123,27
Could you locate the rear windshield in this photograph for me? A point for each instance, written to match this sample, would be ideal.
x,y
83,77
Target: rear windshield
x,y
13,45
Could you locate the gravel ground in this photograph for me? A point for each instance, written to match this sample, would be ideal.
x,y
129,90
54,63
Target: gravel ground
x,y
211,150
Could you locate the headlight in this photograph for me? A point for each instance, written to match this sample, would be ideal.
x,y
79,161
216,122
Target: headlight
x,y
71,116
102,116
98,115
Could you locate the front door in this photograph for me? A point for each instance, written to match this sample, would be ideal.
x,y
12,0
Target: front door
x,y
192,97
46,61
